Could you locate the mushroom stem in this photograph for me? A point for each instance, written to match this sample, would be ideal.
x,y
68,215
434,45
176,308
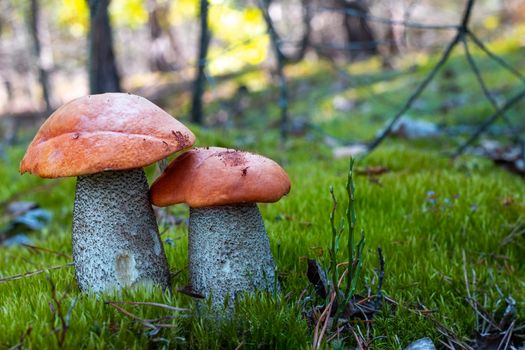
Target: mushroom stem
x,y
229,252
116,240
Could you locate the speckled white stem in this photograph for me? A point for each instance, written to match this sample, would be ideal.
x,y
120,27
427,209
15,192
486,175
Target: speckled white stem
x,y
229,252
116,242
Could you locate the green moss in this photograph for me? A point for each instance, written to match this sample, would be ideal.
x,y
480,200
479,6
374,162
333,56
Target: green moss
x,y
425,213
423,237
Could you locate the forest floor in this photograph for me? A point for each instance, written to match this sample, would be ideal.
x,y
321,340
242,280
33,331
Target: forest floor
x,y
451,231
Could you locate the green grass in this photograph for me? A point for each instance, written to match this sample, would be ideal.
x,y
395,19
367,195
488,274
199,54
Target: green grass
x,y
422,242
423,236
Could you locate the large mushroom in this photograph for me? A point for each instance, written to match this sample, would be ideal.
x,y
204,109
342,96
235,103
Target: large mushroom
x,y
229,250
105,140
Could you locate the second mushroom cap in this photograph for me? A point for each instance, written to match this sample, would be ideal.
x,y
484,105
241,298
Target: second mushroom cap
x,y
214,176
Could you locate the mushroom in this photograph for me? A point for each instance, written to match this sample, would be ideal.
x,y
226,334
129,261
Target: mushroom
x,y
229,250
105,140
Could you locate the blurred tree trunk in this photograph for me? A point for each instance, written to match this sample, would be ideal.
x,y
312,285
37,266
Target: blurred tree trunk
x,y
2,23
391,35
103,73
303,43
199,84
41,51
163,49
307,31
280,59
358,32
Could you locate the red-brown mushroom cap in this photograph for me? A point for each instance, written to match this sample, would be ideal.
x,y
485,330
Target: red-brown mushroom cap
x,y
114,131
204,177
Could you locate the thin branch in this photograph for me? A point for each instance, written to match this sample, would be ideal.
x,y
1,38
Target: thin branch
x,y
47,250
454,342
467,286
379,294
408,104
132,316
57,311
162,306
460,32
482,84
325,316
33,273
488,320
488,122
241,344
489,96
22,338
495,57
466,16
505,341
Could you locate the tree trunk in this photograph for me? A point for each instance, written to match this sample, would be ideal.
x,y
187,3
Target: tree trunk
x,y
360,36
281,62
41,51
303,43
199,85
163,49
103,73
307,31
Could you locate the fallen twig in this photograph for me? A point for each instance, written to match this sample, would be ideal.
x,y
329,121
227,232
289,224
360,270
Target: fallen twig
x,y
55,305
323,319
133,316
152,324
504,344
495,57
467,287
47,250
22,338
453,340
162,306
517,231
33,273
510,103
408,104
379,294
460,32
241,344
484,88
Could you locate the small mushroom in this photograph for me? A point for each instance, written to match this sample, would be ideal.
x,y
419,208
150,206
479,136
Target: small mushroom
x,y
105,140
229,250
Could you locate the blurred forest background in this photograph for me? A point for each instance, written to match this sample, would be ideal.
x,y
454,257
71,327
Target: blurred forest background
x,y
185,54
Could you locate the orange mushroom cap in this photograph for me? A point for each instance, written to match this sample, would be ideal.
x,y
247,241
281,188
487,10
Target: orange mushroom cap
x,y
213,176
113,131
